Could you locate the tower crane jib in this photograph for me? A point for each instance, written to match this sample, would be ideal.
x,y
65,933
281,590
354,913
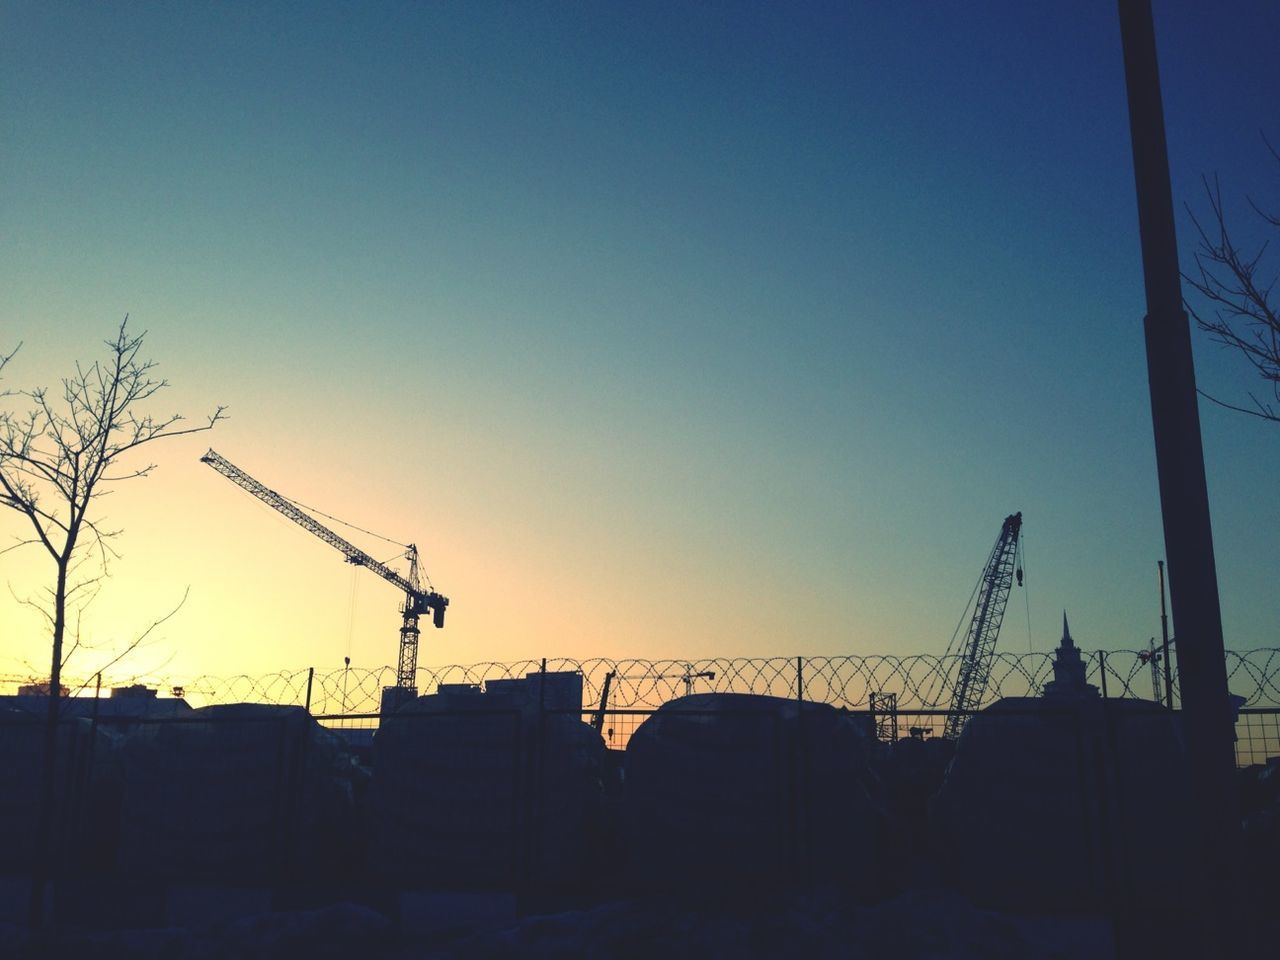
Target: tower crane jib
x,y
416,602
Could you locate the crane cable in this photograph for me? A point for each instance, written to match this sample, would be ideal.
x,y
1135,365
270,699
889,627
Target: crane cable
x,y
378,536
964,618
327,516
421,573
351,605
351,610
1026,593
939,676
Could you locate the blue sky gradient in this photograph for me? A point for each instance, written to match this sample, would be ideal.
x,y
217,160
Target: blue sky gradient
x,y
664,329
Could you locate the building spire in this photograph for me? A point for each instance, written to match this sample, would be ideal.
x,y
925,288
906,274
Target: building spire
x,y
1068,669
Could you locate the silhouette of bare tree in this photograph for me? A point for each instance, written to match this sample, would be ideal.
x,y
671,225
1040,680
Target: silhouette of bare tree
x,y
57,457
1237,287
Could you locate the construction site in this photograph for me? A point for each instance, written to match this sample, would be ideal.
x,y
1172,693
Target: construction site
x,y
436,807
705,370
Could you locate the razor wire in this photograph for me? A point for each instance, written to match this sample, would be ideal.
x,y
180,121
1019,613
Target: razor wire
x,y
918,682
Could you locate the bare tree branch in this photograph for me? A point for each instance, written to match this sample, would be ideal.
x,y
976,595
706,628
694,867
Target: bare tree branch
x,y
1261,412
4,362
15,546
56,459
139,640
28,602
1239,309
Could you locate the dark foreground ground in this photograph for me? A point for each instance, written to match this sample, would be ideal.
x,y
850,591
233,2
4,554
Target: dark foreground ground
x,y
820,924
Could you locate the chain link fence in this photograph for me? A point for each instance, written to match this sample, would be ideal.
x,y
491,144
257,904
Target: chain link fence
x,y
497,799
455,794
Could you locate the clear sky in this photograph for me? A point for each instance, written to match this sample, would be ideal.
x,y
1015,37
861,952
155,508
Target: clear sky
x,y
664,330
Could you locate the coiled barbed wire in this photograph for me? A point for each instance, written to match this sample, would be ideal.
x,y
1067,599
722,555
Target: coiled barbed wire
x,y
919,682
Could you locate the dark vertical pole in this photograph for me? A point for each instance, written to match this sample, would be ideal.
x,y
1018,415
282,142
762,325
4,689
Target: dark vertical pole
x,y
539,790
83,786
93,720
1102,672
799,760
598,720
311,675
1184,498
1164,636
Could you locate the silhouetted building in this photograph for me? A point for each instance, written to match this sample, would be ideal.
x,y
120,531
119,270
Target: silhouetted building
x,y
40,690
1068,669
135,691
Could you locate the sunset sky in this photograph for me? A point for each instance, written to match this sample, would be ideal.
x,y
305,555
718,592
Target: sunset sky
x,y
664,330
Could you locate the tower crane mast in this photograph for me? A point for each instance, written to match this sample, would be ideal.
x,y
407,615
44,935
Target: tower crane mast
x,y
984,628
416,600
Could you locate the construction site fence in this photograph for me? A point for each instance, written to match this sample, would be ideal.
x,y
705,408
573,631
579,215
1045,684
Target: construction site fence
x,y
853,682
254,813
1257,729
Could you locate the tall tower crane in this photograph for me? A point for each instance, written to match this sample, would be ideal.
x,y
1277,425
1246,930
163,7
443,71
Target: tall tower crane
x,y
988,613
416,600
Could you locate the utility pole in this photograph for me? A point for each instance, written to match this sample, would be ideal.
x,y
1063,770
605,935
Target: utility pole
x,y
1210,837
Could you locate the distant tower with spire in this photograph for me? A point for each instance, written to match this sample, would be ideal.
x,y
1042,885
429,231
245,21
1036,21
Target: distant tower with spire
x,y
1068,669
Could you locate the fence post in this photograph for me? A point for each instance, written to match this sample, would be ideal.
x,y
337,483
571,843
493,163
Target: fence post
x,y
311,675
1102,670
535,827
799,759
83,787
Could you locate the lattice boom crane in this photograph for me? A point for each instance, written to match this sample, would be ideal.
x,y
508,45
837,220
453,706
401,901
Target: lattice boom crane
x,y
416,600
988,614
